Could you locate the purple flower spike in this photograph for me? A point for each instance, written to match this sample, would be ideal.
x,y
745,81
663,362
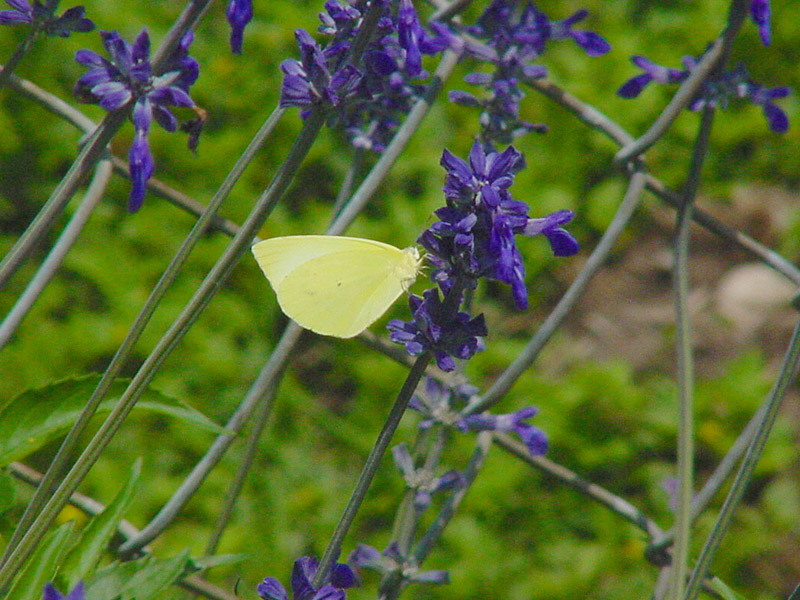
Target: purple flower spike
x,y
127,80
760,12
533,437
51,593
239,13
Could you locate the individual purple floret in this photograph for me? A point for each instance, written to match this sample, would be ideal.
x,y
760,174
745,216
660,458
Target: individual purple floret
x,y
439,403
760,12
308,81
239,13
127,81
303,572
422,480
716,93
51,593
533,437
511,35
391,561
433,330
42,17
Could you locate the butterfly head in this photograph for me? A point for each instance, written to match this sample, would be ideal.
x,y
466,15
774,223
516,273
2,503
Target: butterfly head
x,y
410,267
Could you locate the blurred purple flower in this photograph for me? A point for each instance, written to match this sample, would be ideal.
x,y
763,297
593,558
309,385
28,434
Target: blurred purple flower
x,y
760,12
422,481
533,437
438,403
239,13
303,572
51,593
127,81
392,561
42,17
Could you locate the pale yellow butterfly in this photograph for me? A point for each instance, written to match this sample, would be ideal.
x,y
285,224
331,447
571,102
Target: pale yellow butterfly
x,y
336,285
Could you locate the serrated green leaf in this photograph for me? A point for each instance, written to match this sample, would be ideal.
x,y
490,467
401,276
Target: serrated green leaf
x,y
8,491
94,538
139,579
38,416
723,590
42,566
207,562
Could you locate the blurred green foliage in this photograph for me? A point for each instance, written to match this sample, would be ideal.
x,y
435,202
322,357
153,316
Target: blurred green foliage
x,y
519,534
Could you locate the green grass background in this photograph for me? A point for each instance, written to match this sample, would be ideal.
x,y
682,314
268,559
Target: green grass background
x,y
519,534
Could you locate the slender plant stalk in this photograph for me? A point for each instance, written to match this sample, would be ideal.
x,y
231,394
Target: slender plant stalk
x,y
685,362
55,257
371,465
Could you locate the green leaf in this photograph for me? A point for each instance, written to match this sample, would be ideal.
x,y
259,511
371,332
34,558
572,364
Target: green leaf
x,y
94,538
723,590
42,566
38,416
8,491
138,579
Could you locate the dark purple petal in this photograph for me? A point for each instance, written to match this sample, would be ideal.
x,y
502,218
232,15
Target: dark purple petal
x,y
51,593
272,589
634,86
533,437
364,556
303,572
13,17
777,119
760,12
239,13
594,44
328,592
342,576
463,98
20,5
112,94
142,167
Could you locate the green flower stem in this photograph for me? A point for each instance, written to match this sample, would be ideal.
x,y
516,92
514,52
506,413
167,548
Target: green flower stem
x,y
51,264
591,490
571,296
371,465
685,366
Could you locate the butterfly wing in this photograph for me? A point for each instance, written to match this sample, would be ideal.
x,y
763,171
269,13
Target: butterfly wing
x,y
335,285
